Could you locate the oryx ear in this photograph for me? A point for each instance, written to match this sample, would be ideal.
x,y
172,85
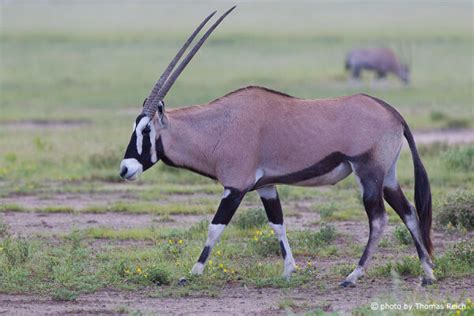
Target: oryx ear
x,y
161,112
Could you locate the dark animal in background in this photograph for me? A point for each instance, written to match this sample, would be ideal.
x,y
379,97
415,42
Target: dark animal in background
x,y
380,60
254,138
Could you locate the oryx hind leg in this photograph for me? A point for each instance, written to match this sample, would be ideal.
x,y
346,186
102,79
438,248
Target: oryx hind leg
x,y
370,178
229,203
272,205
394,196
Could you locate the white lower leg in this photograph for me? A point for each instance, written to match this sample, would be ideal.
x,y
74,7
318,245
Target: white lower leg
x,y
289,261
214,233
378,226
413,226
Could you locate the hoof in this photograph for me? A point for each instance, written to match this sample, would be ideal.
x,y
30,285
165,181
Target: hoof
x,y
182,282
426,281
346,283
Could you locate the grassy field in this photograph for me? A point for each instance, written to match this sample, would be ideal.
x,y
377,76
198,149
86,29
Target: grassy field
x,y
73,76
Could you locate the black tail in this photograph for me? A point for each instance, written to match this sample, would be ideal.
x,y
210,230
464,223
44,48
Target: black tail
x,y
422,192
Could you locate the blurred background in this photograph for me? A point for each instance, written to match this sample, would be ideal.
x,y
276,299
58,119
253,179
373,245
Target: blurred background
x,y
73,76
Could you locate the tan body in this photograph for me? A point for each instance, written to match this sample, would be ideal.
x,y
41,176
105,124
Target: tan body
x,y
254,132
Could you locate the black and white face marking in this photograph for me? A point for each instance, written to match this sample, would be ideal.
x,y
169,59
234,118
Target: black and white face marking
x,y
141,151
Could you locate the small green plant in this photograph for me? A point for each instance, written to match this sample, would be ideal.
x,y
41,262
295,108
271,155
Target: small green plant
x,y
158,275
64,294
3,228
41,144
16,251
311,240
264,243
402,235
408,266
254,218
327,211
460,158
456,261
10,158
458,210
136,273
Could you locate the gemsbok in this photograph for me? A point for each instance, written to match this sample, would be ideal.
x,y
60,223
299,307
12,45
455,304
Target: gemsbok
x,y
255,138
381,60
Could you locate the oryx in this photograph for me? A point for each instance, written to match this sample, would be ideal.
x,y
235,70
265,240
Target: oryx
x,y
255,138
381,60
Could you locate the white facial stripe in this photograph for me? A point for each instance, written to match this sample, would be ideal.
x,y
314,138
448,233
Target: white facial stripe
x,y
138,130
154,157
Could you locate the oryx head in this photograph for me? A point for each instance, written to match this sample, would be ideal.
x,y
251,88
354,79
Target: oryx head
x,y
141,151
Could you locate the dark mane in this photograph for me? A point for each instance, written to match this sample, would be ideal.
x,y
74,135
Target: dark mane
x,y
255,87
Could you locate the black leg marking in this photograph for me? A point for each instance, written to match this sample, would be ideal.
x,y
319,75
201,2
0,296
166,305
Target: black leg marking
x,y
228,206
373,203
371,179
283,250
273,210
204,254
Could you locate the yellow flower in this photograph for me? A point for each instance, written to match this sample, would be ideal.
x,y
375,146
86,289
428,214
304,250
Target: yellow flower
x,y
225,270
221,266
218,252
309,264
232,271
272,232
458,312
180,242
170,241
139,270
255,238
210,262
297,267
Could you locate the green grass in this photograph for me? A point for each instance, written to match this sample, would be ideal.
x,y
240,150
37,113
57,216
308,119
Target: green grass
x,y
89,66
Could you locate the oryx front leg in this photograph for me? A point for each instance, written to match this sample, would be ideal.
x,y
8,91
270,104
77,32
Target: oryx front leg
x,y
229,203
271,203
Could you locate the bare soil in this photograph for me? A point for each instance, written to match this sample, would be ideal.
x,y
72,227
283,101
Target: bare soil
x,y
238,300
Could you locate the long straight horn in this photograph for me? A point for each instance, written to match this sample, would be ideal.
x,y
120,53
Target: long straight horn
x,y
173,63
165,88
